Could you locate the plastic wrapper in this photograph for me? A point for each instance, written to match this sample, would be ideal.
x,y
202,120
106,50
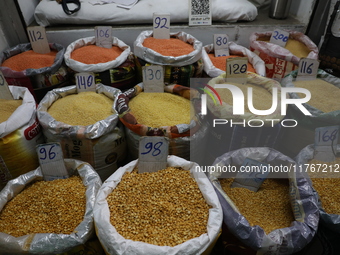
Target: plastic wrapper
x,y
50,243
280,61
331,221
304,203
234,49
19,135
114,243
101,144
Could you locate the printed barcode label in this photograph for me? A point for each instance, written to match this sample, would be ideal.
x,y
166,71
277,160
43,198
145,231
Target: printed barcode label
x,y
200,12
199,7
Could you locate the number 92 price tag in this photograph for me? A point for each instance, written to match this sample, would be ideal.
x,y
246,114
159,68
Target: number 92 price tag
x,y
161,25
153,153
237,70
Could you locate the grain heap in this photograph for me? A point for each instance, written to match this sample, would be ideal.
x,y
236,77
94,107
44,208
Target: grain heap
x,y
45,207
92,54
7,107
168,47
169,209
85,108
161,109
30,60
324,95
269,207
220,62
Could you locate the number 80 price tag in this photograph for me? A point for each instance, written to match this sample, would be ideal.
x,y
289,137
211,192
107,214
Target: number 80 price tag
x,y
153,153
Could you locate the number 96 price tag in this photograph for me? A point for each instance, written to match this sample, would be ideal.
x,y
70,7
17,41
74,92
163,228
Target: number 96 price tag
x,y
153,153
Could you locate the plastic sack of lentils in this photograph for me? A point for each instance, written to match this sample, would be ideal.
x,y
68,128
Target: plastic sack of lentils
x,y
40,73
181,55
279,60
86,125
173,114
215,66
325,178
48,217
160,220
281,217
324,106
113,66
20,132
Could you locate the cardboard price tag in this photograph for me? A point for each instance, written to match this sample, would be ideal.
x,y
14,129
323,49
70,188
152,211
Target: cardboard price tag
x,y
325,143
279,37
5,93
251,180
221,47
51,161
38,39
200,13
308,69
161,25
153,153
103,35
85,82
236,70
153,78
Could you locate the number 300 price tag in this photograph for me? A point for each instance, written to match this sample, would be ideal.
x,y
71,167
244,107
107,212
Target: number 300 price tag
x,y
153,153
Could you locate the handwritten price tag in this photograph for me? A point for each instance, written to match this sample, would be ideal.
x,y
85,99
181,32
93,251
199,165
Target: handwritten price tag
x,y
251,180
325,143
308,69
5,93
221,47
153,78
161,25
51,161
103,35
279,37
237,70
153,153
38,39
85,82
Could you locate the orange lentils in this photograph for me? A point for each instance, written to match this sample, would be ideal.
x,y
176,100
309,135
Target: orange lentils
x,y
168,47
30,60
220,62
92,54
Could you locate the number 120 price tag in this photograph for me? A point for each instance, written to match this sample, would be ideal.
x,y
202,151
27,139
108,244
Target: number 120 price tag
x,y
237,70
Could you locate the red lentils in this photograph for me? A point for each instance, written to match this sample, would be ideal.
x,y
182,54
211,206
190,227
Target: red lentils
x,y
92,54
168,47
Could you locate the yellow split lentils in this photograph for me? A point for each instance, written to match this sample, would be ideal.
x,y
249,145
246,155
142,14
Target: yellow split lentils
x,y
7,107
269,207
56,206
85,108
164,208
161,109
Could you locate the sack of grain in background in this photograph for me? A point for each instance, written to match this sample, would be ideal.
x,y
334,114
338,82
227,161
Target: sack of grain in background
x,y
20,200
20,132
181,56
250,216
100,142
215,66
192,222
113,66
281,61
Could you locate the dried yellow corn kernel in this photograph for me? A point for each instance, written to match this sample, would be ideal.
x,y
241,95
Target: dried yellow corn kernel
x,y
7,107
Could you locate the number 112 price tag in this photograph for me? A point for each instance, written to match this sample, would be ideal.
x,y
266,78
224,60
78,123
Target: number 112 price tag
x,y
38,39
153,153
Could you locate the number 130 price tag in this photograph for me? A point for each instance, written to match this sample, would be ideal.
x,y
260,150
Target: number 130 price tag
x,y
153,153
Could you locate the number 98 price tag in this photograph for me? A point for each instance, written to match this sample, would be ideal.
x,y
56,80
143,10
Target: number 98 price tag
x,y
153,153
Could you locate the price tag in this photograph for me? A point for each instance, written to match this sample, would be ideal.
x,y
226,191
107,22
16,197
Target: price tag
x,y
153,78
38,39
103,35
325,143
200,13
51,161
237,70
253,178
279,37
308,69
221,47
153,153
85,82
161,25
5,93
